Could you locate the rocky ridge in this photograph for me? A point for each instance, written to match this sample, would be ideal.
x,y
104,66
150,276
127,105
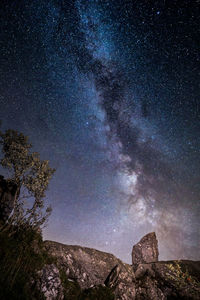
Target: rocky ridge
x,y
146,278
80,273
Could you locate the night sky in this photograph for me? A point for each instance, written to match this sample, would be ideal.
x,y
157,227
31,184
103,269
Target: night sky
x,y
108,92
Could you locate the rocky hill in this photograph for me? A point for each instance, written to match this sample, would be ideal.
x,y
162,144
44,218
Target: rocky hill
x,y
90,270
33,269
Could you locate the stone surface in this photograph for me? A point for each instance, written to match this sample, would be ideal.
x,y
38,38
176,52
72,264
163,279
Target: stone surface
x,y
8,194
89,267
92,269
168,280
122,280
146,251
49,283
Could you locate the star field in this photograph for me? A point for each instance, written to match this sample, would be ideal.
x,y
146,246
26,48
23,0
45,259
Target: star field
x,y
108,91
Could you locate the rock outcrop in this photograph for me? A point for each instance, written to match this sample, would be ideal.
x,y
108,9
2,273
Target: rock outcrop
x,y
146,251
87,266
93,270
49,282
90,268
122,280
78,273
168,280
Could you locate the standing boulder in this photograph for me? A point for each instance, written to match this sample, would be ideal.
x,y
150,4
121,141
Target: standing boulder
x,y
146,251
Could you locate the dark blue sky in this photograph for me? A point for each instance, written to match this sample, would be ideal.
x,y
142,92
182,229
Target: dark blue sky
x,y
108,91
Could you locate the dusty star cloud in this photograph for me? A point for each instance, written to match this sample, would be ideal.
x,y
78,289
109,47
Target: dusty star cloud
x,y
108,92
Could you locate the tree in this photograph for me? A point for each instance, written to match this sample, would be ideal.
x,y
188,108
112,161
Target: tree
x,y
32,176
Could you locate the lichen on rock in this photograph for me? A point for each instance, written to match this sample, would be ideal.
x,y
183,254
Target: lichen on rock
x,y
49,282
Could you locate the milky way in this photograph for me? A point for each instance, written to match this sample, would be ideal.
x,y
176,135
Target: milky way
x,y
108,92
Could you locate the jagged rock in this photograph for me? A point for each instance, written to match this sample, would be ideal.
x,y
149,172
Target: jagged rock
x,y
168,280
146,251
89,267
8,193
49,283
144,269
112,278
122,280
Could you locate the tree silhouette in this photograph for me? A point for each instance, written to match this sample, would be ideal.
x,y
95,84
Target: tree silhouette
x,y
30,174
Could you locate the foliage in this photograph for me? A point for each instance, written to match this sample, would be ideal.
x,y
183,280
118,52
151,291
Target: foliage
x,y
72,289
181,278
31,175
21,252
21,255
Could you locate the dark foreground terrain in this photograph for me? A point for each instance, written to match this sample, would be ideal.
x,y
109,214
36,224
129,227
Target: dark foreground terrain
x,y
50,270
